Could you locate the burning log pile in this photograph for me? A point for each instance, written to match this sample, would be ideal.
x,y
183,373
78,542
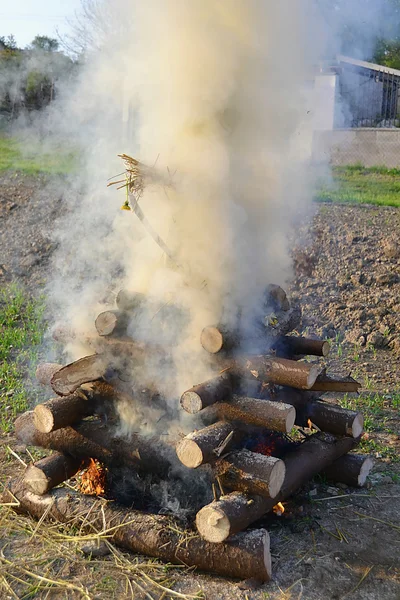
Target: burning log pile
x,y
262,389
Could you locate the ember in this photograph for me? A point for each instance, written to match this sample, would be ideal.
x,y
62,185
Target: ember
x,y
92,480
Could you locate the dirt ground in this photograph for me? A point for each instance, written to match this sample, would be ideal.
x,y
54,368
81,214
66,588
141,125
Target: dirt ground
x,y
332,542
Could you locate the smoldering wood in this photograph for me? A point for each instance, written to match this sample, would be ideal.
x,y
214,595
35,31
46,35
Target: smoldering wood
x,y
325,383
130,301
47,473
217,338
206,445
293,345
112,322
236,511
350,469
275,296
45,371
207,393
97,397
277,416
96,439
282,322
245,556
69,378
251,472
279,371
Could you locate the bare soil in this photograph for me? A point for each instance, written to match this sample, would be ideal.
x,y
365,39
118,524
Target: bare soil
x,y
332,542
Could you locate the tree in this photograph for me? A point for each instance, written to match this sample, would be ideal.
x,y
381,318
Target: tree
x,y
44,43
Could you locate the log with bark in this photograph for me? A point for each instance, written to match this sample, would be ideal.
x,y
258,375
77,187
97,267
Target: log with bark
x,y
236,511
279,371
93,438
350,469
251,472
275,297
86,369
325,383
245,556
91,398
112,322
293,345
45,371
217,338
207,393
277,416
49,472
206,445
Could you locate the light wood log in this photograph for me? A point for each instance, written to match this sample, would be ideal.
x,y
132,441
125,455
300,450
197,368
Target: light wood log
x,y
49,472
279,371
207,393
236,511
216,338
247,555
69,378
350,469
206,445
277,416
325,383
251,472
96,439
45,371
112,322
293,345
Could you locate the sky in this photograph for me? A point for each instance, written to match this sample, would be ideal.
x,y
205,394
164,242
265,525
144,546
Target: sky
x,y
27,18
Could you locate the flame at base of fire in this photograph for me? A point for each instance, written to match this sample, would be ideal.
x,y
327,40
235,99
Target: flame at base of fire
x,y
92,481
279,509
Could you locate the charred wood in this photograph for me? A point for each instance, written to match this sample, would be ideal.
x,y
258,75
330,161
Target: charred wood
x,y
247,555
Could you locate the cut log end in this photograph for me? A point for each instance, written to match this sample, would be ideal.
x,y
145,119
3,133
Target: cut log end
x,y
43,419
212,339
325,349
357,425
106,322
290,419
312,376
213,524
365,471
189,453
276,478
191,402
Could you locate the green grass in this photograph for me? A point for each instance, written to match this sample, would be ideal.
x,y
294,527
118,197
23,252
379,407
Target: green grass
x,y
357,184
34,162
21,331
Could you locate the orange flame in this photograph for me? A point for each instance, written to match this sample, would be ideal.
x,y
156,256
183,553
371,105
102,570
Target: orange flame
x,y
279,509
93,479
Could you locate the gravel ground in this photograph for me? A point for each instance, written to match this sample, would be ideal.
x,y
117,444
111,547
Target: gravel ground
x,y
348,282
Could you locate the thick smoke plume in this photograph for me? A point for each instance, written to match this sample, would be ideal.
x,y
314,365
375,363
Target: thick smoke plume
x,y
214,95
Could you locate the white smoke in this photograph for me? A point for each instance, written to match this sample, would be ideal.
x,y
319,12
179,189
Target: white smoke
x,y
213,94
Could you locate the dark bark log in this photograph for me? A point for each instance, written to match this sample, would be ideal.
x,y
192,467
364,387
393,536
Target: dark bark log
x,y
45,371
206,445
207,393
293,345
336,420
49,472
69,378
112,322
350,469
325,383
282,322
246,555
277,416
129,301
94,439
234,512
251,473
279,371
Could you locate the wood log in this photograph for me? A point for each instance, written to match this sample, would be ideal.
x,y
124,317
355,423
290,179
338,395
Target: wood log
x,y
45,371
293,345
325,383
282,322
207,393
112,322
279,371
336,420
49,472
94,439
206,445
236,511
275,297
350,469
251,472
216,338
277,416
129,301
247,555
69,378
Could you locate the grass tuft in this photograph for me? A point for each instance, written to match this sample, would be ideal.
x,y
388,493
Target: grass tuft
x,y
33,163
